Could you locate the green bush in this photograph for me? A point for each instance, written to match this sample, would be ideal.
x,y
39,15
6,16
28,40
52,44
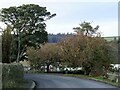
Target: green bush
x,y
11,75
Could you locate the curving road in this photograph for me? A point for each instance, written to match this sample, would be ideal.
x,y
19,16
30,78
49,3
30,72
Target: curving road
x,y
56,81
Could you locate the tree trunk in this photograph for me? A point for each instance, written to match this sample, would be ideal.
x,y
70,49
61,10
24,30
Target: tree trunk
x,y
18,54
48,67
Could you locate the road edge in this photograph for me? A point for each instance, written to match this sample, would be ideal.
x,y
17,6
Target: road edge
x,y
67,75
94,80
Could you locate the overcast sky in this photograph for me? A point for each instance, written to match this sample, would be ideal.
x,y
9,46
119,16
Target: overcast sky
x,y
70,13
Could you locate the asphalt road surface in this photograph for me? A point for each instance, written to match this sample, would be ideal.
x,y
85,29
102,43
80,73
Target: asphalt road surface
x,y
57,81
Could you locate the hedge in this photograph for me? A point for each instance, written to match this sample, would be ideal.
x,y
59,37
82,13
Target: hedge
x,y
11,74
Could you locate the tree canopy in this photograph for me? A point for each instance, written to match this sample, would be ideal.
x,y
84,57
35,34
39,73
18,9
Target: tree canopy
x,y
86,29
94,54
47,55
27,23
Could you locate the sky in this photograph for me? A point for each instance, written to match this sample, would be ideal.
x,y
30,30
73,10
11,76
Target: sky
x,y
70,13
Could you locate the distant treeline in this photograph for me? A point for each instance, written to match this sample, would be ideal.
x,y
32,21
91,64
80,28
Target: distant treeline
x,y
54,38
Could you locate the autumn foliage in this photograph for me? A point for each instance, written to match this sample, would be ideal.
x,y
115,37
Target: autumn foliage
x,y
90,53
86,49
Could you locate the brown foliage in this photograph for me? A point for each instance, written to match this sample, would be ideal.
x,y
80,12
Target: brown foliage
x,y
90,53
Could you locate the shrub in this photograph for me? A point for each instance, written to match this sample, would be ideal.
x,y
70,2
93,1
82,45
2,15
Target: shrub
x,y
11,75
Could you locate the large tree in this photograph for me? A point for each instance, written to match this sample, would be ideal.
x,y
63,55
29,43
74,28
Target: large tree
x,y
28,25
70,51
86,49
93,54
47,55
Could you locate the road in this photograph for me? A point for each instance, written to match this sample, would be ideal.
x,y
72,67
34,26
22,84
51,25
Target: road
x,y
57,81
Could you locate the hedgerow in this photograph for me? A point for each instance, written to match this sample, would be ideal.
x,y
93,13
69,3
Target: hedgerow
x,y
11,75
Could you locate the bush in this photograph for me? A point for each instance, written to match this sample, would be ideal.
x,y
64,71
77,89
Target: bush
x,y
11,75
